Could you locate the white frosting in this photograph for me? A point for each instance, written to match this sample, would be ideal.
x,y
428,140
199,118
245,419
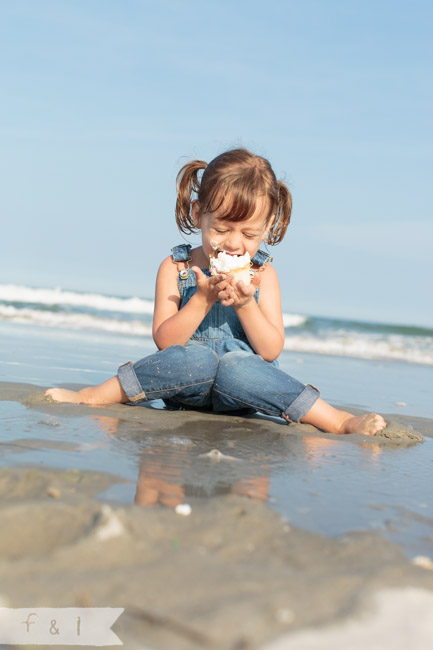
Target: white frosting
x,y
225,263
239,265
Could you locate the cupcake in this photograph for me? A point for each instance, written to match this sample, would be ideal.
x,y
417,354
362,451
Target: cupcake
x,y
238,265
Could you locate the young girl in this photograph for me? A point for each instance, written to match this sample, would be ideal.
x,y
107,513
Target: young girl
x,y
219,339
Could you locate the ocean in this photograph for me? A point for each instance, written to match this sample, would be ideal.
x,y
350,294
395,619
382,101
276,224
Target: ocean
x,y
83,337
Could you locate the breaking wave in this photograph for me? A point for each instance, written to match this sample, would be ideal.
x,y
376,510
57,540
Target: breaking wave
x,y
132,316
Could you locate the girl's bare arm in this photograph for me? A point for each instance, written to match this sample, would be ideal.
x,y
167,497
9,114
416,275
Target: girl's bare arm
x,y
174,326
263,322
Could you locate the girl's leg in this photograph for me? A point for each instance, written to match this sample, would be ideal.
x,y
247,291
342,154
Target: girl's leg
x,y
185,373
244,379
110,392
324,416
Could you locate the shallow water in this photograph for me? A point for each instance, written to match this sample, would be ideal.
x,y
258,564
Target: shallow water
x,y
320,484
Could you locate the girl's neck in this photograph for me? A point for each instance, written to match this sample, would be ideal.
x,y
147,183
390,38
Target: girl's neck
x,y
199,258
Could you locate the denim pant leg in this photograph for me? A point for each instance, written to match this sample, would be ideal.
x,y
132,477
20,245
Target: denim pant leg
x,y
182,372
244,379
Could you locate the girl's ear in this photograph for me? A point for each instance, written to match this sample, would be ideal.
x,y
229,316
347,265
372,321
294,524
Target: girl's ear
x,y
195,213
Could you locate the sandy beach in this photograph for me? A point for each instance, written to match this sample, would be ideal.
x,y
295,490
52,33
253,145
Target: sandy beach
x,y
235,573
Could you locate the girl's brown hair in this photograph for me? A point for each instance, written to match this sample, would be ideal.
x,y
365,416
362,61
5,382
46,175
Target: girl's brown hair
x,y
240,176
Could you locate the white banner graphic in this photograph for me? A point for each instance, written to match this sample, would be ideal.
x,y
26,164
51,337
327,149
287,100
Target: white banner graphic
x,y
59,626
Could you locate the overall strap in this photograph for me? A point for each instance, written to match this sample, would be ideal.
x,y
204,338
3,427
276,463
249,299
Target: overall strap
x,y
181,253
261,258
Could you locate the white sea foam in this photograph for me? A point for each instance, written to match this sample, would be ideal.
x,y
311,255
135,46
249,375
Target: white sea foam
x,y
95,301
294,320
74,321
94,322
16,293
91,312
365,346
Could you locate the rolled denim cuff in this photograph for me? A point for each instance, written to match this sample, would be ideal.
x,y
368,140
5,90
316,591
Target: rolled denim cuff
x,y
130,384
302,404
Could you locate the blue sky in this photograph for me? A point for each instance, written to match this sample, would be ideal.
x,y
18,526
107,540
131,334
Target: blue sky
x,y
103,101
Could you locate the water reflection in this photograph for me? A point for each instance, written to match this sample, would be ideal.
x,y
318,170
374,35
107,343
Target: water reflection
x,y
324,484
173,468
317,450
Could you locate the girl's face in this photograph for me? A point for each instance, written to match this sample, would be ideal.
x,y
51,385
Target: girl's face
x,y
233,237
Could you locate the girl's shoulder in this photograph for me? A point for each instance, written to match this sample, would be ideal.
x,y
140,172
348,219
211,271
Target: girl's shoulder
x,y
167,274
268,274
168,265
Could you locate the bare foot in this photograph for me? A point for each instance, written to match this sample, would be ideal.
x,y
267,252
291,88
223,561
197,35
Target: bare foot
x,y
110,392
63,395
324,416
369,424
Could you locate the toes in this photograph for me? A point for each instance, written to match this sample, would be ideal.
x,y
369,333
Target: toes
x,y
379,420
369,424
377,423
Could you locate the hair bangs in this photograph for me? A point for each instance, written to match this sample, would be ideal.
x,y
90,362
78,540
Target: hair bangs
x,y
238,200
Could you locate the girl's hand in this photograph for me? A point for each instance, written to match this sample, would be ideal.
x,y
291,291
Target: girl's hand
x,y
238,293
209,288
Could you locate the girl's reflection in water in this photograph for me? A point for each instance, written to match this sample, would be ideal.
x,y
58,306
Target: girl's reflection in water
x,y
170,472
173,468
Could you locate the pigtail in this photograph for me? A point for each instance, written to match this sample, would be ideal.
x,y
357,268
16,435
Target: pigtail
x,y
282,216
187,184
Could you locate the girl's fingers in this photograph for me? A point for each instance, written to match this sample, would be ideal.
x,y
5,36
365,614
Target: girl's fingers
x,y
223,285
227,302
224,295
198,274
245,290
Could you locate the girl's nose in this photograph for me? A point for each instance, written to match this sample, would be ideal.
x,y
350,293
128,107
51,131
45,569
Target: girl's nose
x,y
232,243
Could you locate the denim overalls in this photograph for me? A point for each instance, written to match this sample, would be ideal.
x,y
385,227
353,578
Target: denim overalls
x,y
217,369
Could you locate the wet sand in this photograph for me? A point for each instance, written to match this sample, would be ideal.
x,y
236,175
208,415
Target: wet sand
x,y
233,574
